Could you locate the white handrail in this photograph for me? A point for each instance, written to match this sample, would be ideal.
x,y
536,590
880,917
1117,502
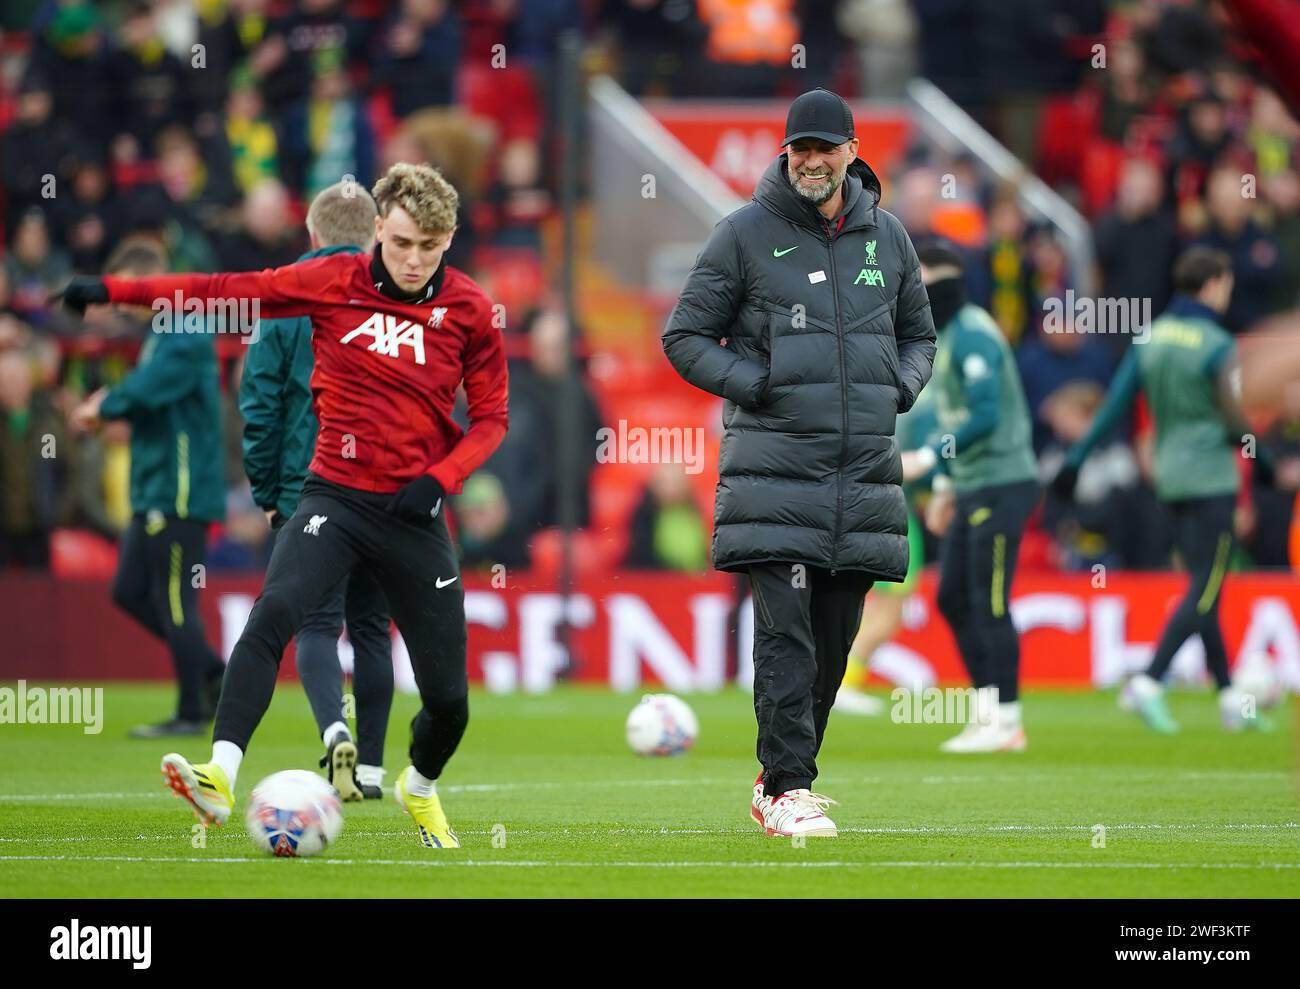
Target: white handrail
x,y
715,198
952,128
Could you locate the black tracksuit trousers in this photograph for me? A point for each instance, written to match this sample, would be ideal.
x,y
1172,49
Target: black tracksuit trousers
x,y
1203,531
357,601
805,619
977,564
155,585
334,529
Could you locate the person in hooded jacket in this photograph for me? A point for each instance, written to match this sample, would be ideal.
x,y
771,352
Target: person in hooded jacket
x,y
805,311
981,459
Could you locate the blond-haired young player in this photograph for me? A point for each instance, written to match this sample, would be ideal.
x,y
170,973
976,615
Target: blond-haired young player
x,y
394,335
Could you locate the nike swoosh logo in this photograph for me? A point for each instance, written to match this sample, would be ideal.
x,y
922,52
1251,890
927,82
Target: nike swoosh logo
x,y
443,583
778,254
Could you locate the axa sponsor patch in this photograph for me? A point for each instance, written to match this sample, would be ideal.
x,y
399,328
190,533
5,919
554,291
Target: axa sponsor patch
x,y
389,335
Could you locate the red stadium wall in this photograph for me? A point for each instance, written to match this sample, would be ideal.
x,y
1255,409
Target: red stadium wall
x,y
674,630
738,141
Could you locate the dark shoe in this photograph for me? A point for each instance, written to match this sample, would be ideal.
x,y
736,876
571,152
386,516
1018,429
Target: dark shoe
x,y
169,729
340,764
371,792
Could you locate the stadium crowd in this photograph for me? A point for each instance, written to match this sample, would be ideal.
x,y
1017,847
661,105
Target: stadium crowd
x,y
204,129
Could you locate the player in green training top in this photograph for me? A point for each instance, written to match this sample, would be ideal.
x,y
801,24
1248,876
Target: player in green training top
x,y
882,612
985,488
1187,371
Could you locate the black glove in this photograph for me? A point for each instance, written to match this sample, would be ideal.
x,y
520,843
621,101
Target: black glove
x,y
418,502
83,291
1063,483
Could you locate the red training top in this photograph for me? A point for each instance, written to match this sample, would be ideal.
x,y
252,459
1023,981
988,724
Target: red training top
x,y
386,372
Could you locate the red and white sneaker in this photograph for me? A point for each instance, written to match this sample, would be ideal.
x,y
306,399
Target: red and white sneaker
x,y
798,813
758,806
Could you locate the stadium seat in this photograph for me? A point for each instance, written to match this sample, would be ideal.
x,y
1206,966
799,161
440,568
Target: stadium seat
x,y
1099,170
80,553
1068,123
1036,552
513,276
505,95
593,552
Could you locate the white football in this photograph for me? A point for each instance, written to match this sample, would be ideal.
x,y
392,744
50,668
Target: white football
x,y
293,814
1257,676
662,725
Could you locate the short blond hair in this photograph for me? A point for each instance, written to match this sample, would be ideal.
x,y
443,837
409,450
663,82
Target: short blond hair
x,y
429,199
343,215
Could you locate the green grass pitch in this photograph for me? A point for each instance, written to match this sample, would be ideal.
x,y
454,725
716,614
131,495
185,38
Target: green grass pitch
x,y
548,801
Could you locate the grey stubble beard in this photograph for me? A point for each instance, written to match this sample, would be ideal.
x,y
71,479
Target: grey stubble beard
x,y
817,199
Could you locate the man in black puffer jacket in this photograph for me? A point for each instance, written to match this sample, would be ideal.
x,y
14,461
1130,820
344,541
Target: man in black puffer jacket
x,y
806,312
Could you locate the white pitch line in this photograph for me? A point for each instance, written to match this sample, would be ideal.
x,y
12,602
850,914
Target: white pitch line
x,y
1132,775
669,832
543,785
534,864
453,788
131,795
1048,828
1007,778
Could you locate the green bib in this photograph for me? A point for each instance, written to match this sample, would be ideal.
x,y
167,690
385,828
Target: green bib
x,y
1006,455
1195,457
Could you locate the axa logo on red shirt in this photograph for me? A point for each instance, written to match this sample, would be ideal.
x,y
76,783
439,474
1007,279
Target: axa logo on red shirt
x,y
388,334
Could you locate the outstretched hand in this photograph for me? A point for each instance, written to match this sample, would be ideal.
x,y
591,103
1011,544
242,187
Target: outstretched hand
x,y
82,291
85,417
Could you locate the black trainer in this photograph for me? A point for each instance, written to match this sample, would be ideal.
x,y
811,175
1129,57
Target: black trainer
x,y
168,729
340,763
371,791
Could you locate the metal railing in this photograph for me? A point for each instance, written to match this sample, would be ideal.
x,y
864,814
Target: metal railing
x,y
951,128
649,241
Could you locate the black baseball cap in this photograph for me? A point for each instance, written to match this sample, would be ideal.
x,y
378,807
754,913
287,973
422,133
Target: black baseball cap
x,y
821,114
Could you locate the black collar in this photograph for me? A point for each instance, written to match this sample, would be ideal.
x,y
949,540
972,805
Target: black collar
x,y
387,284
861,196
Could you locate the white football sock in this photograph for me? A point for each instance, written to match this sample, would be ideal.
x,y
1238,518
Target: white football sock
x,y
228,756
370,775
329,734
984,712
1009,715
419,786
1144,686
1231,701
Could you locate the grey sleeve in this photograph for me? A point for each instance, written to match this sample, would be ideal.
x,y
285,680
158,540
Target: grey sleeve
x,y
913,326
704,313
